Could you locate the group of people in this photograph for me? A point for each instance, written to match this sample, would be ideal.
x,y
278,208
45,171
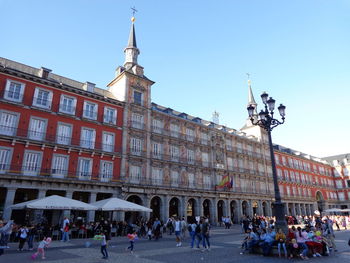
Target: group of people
x,y
316,239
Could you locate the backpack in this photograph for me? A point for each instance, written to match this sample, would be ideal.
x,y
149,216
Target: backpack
x,y
189,228
198,228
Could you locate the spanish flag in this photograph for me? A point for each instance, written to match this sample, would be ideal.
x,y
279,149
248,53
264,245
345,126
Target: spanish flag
x,y
226,181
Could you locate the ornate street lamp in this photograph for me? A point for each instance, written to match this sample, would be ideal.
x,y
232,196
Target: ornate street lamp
x,y
268,122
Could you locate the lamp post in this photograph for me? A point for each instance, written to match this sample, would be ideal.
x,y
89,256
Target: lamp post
x,y
267,121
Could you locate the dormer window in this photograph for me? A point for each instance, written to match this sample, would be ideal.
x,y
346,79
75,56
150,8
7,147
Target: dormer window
x,y
14,91
90,110
137,97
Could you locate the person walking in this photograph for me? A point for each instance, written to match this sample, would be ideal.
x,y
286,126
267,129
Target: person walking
x,y
65,230
4,229
103,239
177,227
132,238
23,233
205,233
31,235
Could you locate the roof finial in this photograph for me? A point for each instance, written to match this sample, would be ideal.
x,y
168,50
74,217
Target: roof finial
x,y
133,14
248,78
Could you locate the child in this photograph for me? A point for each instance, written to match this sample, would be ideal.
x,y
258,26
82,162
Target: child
x,y
132,239
149,234
102,238
293,248
281,242
41,248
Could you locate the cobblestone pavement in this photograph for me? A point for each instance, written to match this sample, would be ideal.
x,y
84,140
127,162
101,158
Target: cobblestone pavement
x,y
224,248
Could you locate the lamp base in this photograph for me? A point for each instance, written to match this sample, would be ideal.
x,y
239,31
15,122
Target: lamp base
x,y
279,213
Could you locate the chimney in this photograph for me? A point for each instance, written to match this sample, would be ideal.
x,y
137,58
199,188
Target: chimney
x,y
89,86
44,73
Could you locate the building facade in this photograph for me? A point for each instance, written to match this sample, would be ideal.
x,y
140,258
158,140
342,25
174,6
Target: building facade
x,y
57,136
60,136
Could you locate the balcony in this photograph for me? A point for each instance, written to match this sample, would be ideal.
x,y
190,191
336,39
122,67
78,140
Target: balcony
x,y
89,114
137,125
43,137
158,130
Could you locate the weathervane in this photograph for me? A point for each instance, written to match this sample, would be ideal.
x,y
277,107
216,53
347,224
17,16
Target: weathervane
x,y
133,10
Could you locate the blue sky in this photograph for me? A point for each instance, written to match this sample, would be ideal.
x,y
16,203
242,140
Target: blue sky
x,y
198,53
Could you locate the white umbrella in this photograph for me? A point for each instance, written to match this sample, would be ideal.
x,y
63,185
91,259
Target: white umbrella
x,y
54,202
345,210
332,210
116,204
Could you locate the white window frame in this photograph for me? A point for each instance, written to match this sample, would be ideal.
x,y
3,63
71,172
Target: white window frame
x,y
114,119
86,176
136,145
49,98
7,90
190,134
135,174
94,112
5,165
106,177
191,180
207,181
108,147
157,125
137,120
62,172
37,171
73,105
174,130
14,129
32,133
83,143
174,152
157,150
205,159
190,156
68,139
157,176
175,180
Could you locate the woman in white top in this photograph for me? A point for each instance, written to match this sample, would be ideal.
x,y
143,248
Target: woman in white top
x,y
23,233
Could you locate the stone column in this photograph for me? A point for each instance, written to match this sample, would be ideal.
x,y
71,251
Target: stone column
x,y
214,211
227,208
239,210
260,210
200,206
69,194
250,208
165,215
91,214
269,208
183,211
10,197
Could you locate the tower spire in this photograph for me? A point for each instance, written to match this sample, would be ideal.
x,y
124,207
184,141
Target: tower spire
x,y
131,51
251,100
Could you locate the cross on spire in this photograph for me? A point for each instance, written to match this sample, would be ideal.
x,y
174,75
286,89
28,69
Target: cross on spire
x,y
133,10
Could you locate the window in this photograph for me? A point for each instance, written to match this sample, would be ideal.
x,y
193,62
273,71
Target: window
x,y
137,97
59,167
339,184
157,125
206,182
205,159
37,129
157,176
110,116
31,163
174,130
157,150
5,159
136,146
108,142
229,144
191,182
135,174
174,178
106,171
68,104
84,169
90,110
14,91
42,98
174,153
190,134
87,139
8,123
204,138
137,121
64,133
190,156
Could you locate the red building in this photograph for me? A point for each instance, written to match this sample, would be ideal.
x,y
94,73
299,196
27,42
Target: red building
x,y
58,136
306,182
